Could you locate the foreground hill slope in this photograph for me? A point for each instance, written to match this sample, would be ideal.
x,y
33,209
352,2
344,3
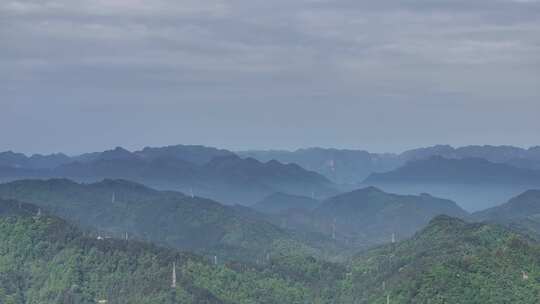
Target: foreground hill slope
x,y
117,207
45,260
450,261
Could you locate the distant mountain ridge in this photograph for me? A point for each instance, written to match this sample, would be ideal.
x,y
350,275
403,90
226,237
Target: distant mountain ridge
x,y
37,161
524,205
344,166
438,169
222,175
474,183
282,202
208,172
521,213
353,166
341,166
369,216
495,154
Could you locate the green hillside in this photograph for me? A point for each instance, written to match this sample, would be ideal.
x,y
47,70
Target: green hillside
x,y
45,260
370,216
520,213
116,207
450,262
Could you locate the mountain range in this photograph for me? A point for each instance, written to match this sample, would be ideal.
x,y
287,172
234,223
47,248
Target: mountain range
x,y
438,169
449,261
44,259
122,209
366,217
282,202
476,177
520,213
353,166
329,229
208,172
342,166
474,183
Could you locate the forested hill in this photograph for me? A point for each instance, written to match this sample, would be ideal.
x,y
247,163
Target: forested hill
x,y
117,207
450,261
527,204
13,207
369,216
45,260
521,213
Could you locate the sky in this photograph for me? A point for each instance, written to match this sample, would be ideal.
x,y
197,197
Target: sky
x,y
88,75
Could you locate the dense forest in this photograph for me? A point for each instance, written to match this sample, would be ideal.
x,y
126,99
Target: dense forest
x,y
117,207
44,259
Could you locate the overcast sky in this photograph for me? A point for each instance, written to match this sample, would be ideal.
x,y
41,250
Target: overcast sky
x,y
85,75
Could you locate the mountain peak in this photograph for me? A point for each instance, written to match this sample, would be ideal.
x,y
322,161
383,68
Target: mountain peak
x,y
117,153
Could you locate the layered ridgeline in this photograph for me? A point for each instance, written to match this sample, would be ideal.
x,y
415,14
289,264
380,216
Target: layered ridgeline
x,y
340,166
449,261
521,212
368,216
282,202
474,183
189,153
221,175
45,260
353,166
120,208
208,172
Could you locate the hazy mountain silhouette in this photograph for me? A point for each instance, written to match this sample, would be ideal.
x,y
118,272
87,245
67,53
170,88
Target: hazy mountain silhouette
x,y
521,213
340,166
438,169
208,172
115,207
353,166
473,183
282,202
36,161
369,216
524,205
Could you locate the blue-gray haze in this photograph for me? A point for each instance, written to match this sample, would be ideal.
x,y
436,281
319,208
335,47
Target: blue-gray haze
x,y
84,75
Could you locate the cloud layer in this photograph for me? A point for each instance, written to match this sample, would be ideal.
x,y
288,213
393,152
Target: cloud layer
x,y
239,73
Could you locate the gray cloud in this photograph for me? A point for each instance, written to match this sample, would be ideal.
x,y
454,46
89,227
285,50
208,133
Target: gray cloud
x,y
383,74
